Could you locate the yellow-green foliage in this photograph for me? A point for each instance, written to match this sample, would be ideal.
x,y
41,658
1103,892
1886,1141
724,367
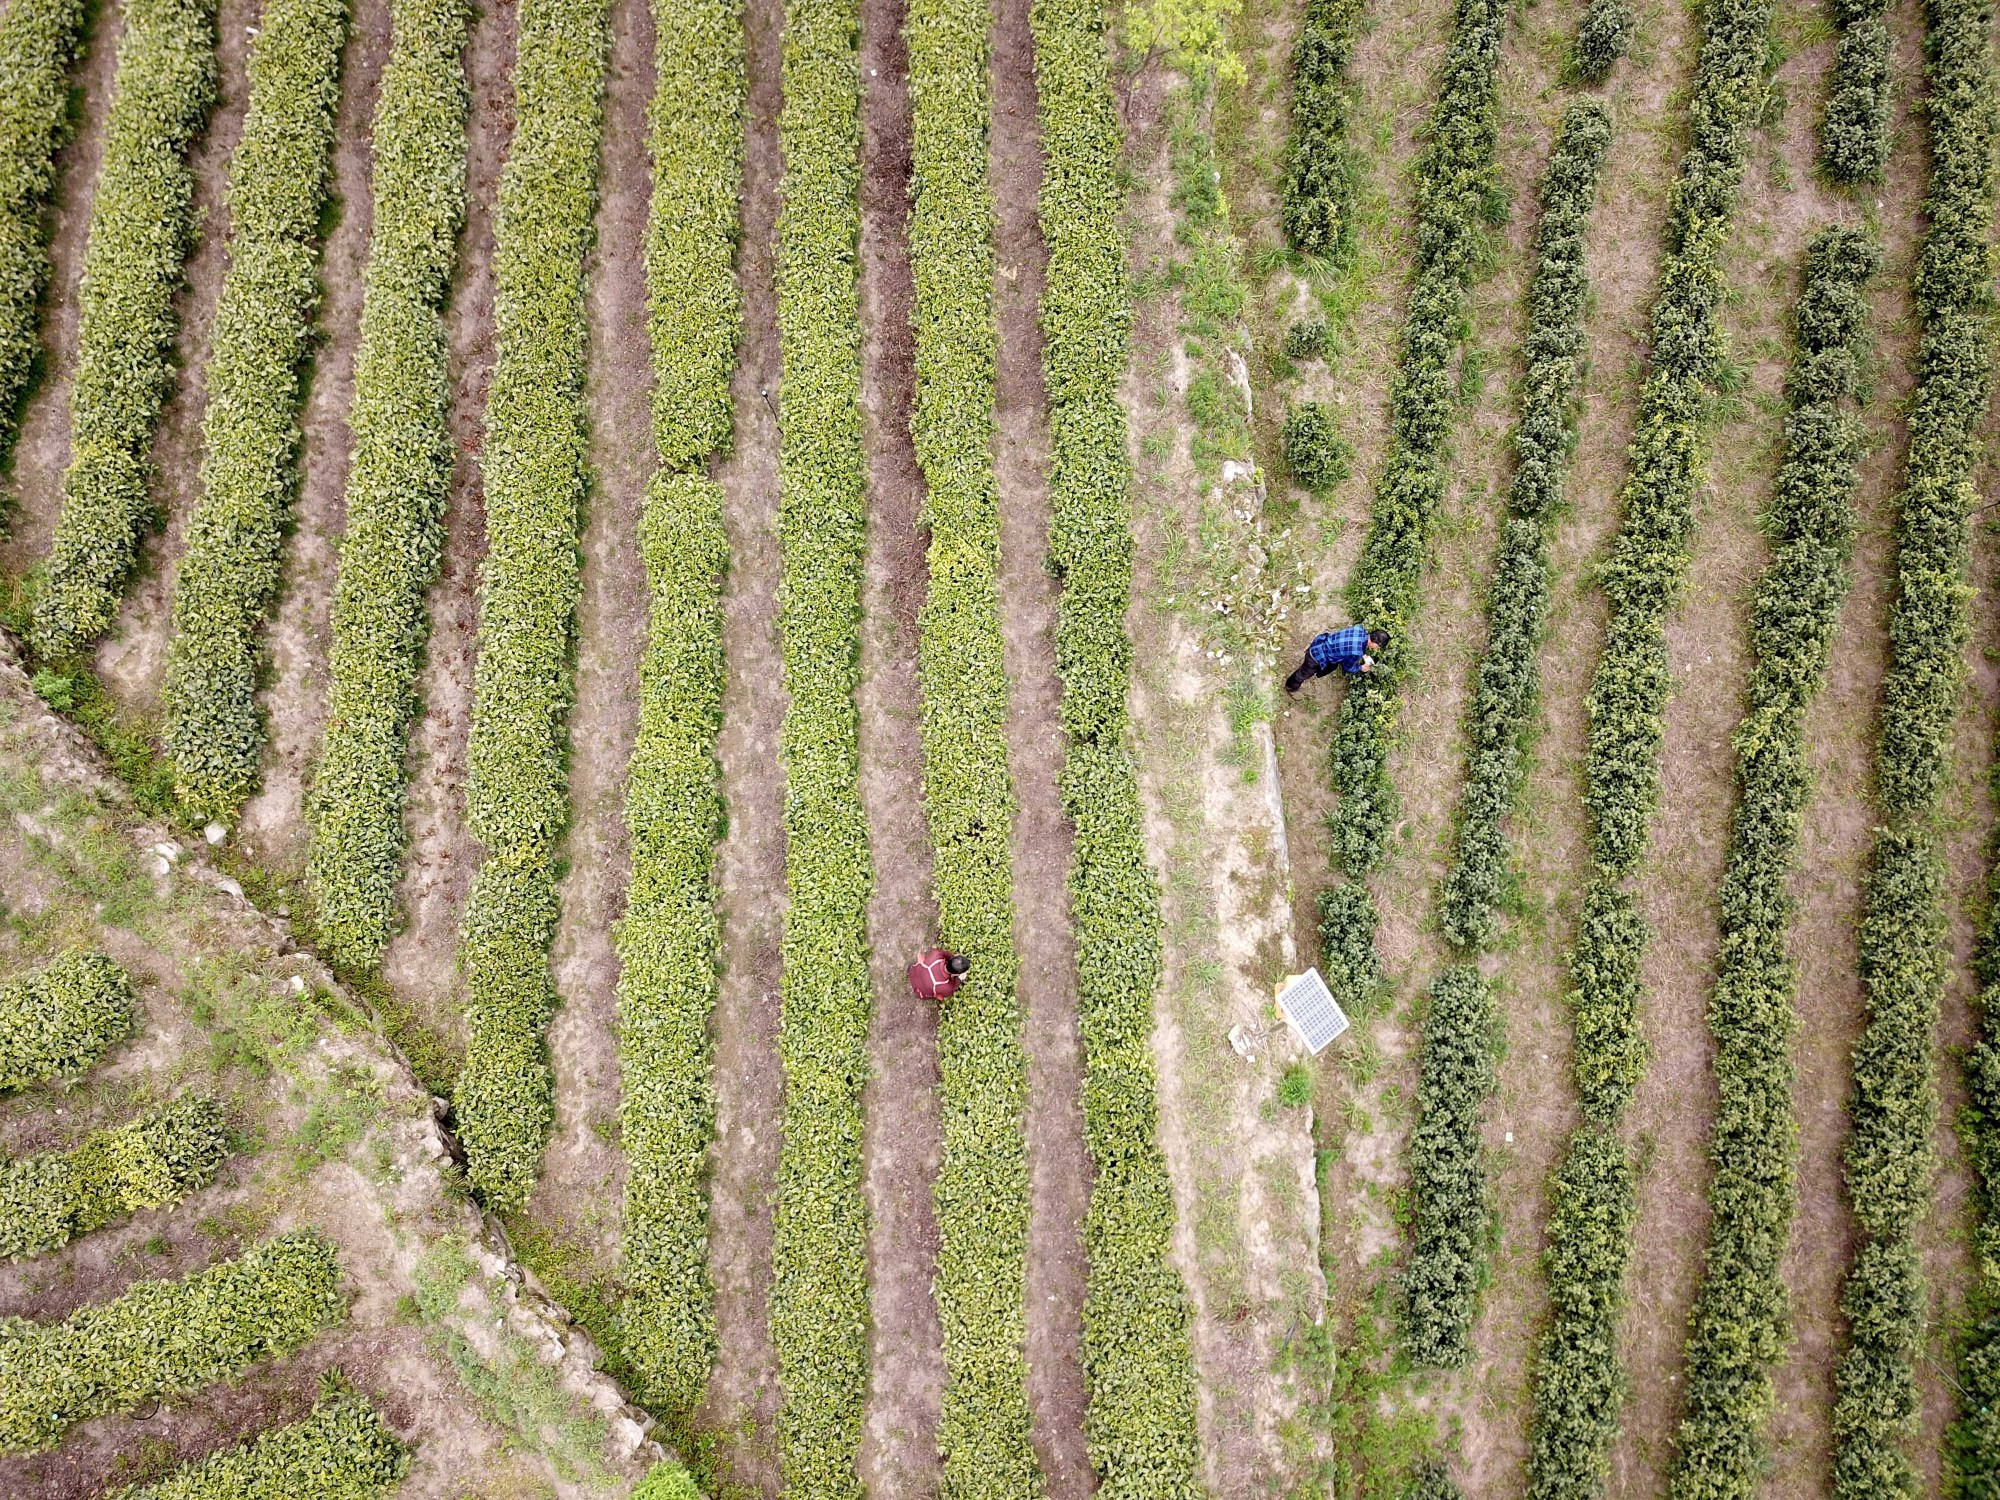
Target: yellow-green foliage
x,y
397,486
150,1162
536,470
1141,1418
819,1296
141,227
342,1451
250,429
39,39
58,1020
673,805
667,1481
982,1184
1855,130
164,1339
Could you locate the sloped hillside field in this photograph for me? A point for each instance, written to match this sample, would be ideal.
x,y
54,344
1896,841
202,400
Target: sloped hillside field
x,y
558,558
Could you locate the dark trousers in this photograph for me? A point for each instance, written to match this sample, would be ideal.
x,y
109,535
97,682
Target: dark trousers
x,y
1307,671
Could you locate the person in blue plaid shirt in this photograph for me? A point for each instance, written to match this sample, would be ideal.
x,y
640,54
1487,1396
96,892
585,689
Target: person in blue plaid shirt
x,y
1351,650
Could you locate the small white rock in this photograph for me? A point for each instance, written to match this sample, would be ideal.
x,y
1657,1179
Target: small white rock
x,y
298,982
159,865
229,887
215,833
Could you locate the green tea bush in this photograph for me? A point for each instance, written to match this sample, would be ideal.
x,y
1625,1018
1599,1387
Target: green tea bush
x,y
141,228
668,940
397,485
1306,339
667,1481
535,465
1140,1421
981,1191
155,1160
1449,1211
1973,1444
1854,136
1893,1110
342,1451
58,1020
1315,452
164,1339
1578,1377
228,574
39,40
1503,702
1602,37
1739,1323
1323,169
819,1294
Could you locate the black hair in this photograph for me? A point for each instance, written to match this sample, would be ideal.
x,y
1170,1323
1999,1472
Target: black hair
x,y
1378,635
958,963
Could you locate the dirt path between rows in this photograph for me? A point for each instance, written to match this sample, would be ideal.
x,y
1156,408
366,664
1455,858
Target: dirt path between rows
x,y
421,964
1059,1168
41,449
904,1135
294,701
581,1192
750,866
133,655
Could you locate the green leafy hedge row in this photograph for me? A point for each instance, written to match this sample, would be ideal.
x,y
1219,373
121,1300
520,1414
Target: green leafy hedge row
x,y
668,940
39,40
1903,964
1504,699
149,1162
141,229
164,1339
1854,136
58,1020
1739,1323
397,485
1975,1437
1140,1421
536,470
342,1451
1579,1383
819,1294
1320,177
1455,194
250,428
981,1190
1449,1213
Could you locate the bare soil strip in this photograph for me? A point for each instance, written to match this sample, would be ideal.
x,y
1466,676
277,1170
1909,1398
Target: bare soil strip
x,y
583,1171
420,963
750,862
1058,1161
33,489
273,825
904,1142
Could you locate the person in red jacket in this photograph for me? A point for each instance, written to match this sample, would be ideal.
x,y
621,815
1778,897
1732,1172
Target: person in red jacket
x,y
937,974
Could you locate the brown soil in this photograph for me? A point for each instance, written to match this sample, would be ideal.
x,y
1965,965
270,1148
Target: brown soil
x,y
41,450
749,1084
904,1137
272,824
133,655
583,1172
421,962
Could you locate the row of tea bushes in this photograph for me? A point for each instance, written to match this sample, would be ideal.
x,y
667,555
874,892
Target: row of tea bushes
x,y
1322,175
342,1451
1854,141
58,1020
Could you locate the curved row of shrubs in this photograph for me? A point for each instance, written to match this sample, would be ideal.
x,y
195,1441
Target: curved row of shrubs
x,y
149,1162
1140,1421
535,467
819,1293
396,486
343,1450
1893,1110
1854,134
39,41
163,1339
1739,1323
1455,196
668,940
1321,176
981,1191
58,1020
142,226
1579,1383
228,573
